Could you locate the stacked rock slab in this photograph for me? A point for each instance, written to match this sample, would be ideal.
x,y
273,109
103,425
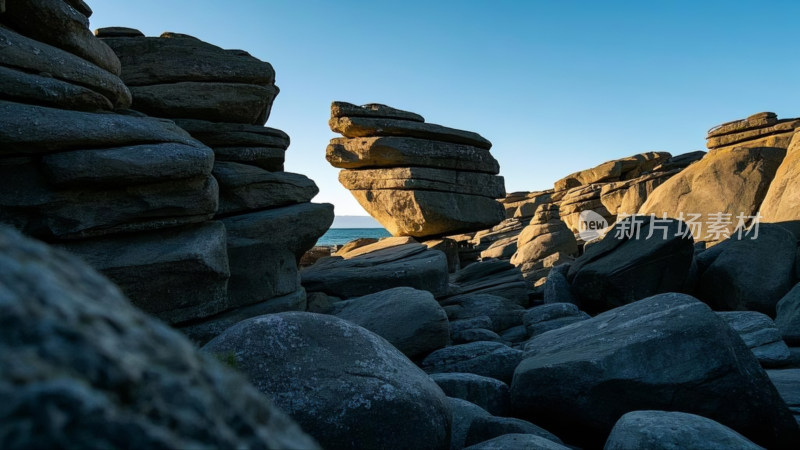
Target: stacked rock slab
x,y
132,195
223,98
417,179
759,130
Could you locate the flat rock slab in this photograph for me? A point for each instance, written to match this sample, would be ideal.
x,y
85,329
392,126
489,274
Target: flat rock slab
x,y
346,385
429,213
758,120
357,127
219,134
411,265
782,126
424,178
383,152
23,87
72,347
215,102
666,352
264,248
375,110
244,187
178,274
29,203
172,58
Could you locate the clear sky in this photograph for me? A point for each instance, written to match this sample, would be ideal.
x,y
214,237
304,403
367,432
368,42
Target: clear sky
x,y
557,86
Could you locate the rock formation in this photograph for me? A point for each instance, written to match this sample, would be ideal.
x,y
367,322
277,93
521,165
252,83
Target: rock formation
x,y
417,179
759,130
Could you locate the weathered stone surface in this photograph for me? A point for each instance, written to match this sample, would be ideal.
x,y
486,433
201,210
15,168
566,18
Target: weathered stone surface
x,y
219,134
247,188
626,197
411,265
216,102
34,57
18,86
81,7
29,204
203,330
503,248
477,322
639,257
539,241
517,440
748,274
364,394
788,316
488,359
56,23
81,367
364,246
111,32
385,152
783,196
377,110
429,213
728,181
359,127
177,274
267,158
464,413
173,58
485,428
131,165
410,319
758,120
787,382
493,277
741,138
476,335
502,312
488,393
760,335
666,352
580,199
662,430
619,169
85,130
681,161
451,250
264,249
424,178
543,318
557,288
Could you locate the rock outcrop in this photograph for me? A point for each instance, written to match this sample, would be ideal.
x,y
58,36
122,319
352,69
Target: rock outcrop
x,y
783,195
417,179
759,130
81,367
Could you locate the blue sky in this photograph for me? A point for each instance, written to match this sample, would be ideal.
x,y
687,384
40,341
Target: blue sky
x,y
557,86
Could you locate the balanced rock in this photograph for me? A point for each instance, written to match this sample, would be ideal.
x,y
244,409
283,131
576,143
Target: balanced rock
x,y
417,179
80,367
719,193
364,393
759,130
667,352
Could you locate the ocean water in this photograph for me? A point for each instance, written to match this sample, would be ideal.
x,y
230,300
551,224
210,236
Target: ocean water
x,y
339,236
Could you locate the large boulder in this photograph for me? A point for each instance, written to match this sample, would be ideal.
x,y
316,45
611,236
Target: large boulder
x,y
493,277
348,386
787,382
543,318
538,241
411,265
488,393
502,312
788,316
760,335
408,318
663,430
639,257
725,185
517,440
82,368
783,195
751,271
667,352
618,169
762,129
488,359
483,429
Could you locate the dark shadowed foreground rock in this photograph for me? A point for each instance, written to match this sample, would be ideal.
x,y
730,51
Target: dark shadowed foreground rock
x,y
488,393
667,352
761,335
639,257
464,413
746,273
349,386
788,318
82,368
662,430
408,318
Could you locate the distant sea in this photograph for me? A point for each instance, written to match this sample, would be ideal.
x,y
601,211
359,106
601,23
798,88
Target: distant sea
x,y
339,236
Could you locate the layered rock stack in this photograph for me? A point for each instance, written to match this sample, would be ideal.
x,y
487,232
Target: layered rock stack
x,y
223,98
417,179
763,129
